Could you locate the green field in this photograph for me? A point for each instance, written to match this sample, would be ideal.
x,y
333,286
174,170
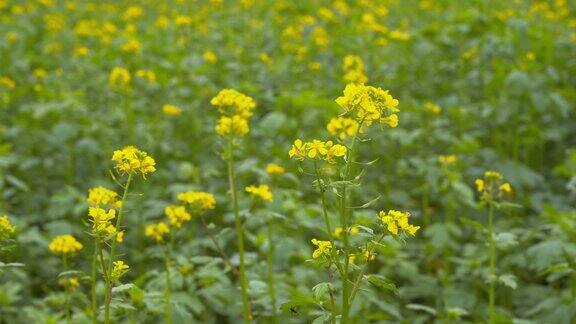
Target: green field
x,y
314,161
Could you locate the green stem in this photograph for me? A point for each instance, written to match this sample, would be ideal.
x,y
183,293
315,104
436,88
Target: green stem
x,y
168,292
223,254
492,252
324,208
94,281
356,286
344,223
66,290
112,255
332,302
239,233
271,286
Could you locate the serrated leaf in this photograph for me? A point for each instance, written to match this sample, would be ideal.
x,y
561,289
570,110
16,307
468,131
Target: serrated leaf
x,y
508,280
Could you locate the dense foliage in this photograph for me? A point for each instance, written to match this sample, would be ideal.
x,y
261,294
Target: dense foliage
x,y
343,179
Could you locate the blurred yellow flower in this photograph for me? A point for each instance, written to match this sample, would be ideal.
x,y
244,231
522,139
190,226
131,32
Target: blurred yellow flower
x,y
274,169
65,244
262,192
177,215
157,231
171,110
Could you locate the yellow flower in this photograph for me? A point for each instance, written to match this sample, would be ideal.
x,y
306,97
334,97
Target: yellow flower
x,y
7,82
162,22
6,228
338,232
323,248
171,110
132,46
396,220
73,283
132,160
432,107
65,244
493,176
100,196
334,151
354,230
132,12
198,200
119,78
210,57
102,221
274,169
119,269
157,231
343,127
368,255
316,148
447,159
505,188
233,103
81,51
120,237
148,75
354,70
480,185
262,191
183,20
370,104
235,125
177,215
298,150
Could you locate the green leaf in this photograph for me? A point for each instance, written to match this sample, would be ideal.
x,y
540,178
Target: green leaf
x,y
122,288
423,308
508,280
381,282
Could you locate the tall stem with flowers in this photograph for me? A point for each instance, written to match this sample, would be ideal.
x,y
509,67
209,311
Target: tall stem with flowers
x,y
235,111
349,248
105,207
492,191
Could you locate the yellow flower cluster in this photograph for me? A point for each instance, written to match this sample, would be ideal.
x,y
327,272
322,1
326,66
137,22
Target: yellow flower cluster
x,y
132,160
327,151
275,169
65,244
491,185
396,220
119,78
234,125
339,230
177,215
323,248
131,46
447,159
157,231
147,75
119,269
370,104
198,200
210,57
233,103
171,110
262,192
432,107
100,196
101,220
354,70
343,127
6,228
236,108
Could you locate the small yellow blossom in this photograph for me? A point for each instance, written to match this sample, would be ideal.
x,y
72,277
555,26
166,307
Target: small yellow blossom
x,y
275,169
210,57
6,228
157,231
369,104
262,191
100,196
432,107
147,75
132,46
235,125
343,127
177,215
323,248
506,188
119,269
132,160
199,200
447,159
233,103
298,150
101,220
119,78
480,185
396,220
334,151
81,51
65,244
171,110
